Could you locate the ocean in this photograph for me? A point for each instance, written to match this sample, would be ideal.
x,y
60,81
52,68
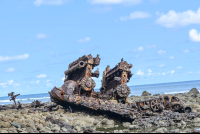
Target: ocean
x,y
161,88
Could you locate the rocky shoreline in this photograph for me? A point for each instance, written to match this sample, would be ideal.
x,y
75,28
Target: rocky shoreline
x,y
28,120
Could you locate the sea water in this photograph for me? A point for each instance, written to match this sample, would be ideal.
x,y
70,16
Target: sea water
x,y
161,88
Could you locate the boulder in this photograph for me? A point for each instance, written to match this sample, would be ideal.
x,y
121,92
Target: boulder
x,y
161,130
5,125
3,131
145,93
126,124
193,91
17,125
131,127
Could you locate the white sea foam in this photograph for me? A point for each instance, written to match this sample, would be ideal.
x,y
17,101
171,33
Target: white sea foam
x,y
26,99
176,92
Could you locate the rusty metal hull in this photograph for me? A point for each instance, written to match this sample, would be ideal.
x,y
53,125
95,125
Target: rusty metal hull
x,y
133,110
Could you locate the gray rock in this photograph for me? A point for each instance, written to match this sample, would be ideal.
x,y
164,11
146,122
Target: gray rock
x,y
115,131
5,125
178,125
175,131
126,124
3,131
193,91
145,93
17,125
120,131
131,127
196,120
55,127
161,130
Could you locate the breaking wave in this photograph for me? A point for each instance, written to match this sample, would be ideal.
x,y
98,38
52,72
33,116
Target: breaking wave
x,y
26,99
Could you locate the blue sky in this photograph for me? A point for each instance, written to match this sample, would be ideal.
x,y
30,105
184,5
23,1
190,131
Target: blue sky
x,y
39,38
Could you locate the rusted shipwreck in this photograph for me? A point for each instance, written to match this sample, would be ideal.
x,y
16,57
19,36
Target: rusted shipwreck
x,y
78,90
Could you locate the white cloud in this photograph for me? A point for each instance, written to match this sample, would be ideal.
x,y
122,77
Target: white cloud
x,y
41,36
140,72
35,82
42,76
136,15
3,84
172,72
48,80
126,2
161,52
63,78
49,2
171,57
142,48
161,65
194,35
49,84
179,67
10,70
150,46
177,19
186,51
150,72
87,39
10,82
17,84
163,73
17,57
199,72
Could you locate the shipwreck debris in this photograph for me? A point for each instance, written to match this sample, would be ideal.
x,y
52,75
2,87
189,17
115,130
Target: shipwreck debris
x,y
13,97
78,91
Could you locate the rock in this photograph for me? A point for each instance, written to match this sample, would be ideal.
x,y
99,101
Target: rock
x,y
78,128
64,129
125,130
187,131
175,131
120,131
55,127
131,127
183,123
17,125
12,130
178,125
161,130
145,93
126,124
110,122
44,130
115,131
3,131
193,91
5,125
31,130
196,120
4,118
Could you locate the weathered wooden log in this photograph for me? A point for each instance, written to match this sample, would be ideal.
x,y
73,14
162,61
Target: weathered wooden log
x,y
83,58
79,65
